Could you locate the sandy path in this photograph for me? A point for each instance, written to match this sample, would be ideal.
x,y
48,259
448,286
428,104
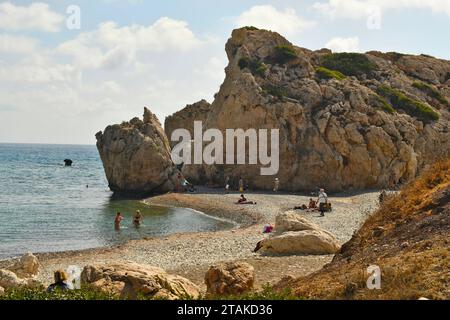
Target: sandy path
x,y
191,254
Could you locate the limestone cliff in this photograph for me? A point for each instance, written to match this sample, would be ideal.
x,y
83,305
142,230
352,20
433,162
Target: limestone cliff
x,y
136,156
347,121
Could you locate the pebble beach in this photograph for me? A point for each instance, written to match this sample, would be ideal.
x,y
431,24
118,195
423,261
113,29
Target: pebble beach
x,y
190,254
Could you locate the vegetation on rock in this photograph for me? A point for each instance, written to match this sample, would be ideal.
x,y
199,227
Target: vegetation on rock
x,y
284,54
256,67
431,91
382,103
278,92
325,73
350,64
413,107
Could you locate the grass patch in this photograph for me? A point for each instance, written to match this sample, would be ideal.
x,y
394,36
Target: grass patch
x,y
431,91
284,54
255,66
88,294
413,107
383,104
58,295
278,92
324,73
349,64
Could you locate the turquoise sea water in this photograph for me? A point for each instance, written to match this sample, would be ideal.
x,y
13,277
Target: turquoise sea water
x,y
46,207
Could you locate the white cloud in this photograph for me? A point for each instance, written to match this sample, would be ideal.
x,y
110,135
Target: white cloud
x,y
111,46
67,92
268,17
338,44
17,44
36,16
360,9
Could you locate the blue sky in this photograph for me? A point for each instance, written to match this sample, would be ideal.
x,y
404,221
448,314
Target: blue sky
x,y
62,86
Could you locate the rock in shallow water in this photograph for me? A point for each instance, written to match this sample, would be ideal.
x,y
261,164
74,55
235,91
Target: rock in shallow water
x,y
136,157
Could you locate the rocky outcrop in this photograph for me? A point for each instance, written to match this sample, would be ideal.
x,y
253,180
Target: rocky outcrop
x,y
27,267
131,280
136,157
296,235
230,278
185,118
340,132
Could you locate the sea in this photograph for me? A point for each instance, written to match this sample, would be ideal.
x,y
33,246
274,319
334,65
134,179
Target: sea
x,y
48,207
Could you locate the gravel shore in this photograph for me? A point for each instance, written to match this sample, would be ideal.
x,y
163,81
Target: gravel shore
x,y
191,254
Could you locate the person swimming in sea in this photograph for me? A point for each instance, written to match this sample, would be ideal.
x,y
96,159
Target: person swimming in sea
x,y
137,219
118,220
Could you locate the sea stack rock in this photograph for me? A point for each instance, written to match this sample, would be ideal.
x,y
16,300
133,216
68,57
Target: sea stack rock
x,y
346,121
136,157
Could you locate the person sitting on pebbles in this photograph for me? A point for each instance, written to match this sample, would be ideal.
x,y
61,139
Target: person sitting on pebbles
x,y
312,204
243,200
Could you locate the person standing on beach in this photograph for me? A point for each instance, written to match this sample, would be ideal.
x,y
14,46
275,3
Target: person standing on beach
x,y
241,185
118,220
323,202
276,185
227,184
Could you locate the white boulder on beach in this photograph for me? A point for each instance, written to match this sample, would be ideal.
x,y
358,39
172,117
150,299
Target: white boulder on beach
x,y
296,235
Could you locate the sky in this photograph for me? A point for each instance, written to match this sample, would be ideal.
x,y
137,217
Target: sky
x,y
70,68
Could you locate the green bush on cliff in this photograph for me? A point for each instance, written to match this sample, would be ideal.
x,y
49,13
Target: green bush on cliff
x,y
278,92
383,104
325,73
350,64
255,66
284,54
430,91
413,107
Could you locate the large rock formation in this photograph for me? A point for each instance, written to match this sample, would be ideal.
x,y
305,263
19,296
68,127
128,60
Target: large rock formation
x,y
185,118
136,156
373,127
131,280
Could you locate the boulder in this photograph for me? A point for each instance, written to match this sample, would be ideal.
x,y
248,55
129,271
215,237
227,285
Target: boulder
x,y
131,280
230,278
2,291
136,157
291,221
314,242
27,267
9,280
